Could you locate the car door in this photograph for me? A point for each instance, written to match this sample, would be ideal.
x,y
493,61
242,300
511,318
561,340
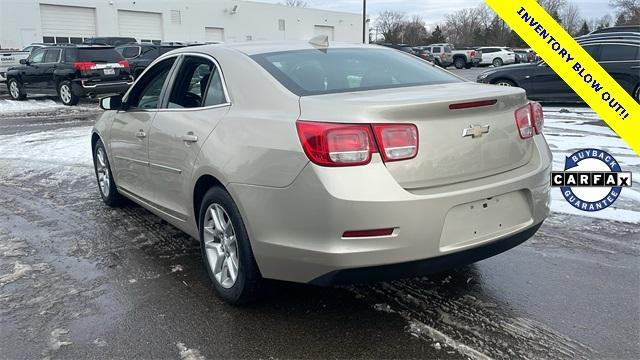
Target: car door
x,y
487,55
129,140
30,72
622,62
547,85
193,107
49,65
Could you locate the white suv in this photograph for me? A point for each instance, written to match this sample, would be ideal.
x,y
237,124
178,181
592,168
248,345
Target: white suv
x,y
497,56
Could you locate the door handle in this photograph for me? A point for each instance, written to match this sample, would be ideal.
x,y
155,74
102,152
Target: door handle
x,y
189,138
141,134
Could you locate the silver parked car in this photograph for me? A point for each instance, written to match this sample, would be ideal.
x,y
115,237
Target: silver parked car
x,y
324,164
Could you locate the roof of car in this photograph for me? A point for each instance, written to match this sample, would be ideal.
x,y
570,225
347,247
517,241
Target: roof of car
x,y
259,47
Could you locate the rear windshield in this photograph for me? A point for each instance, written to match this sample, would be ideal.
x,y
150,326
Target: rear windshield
x,y
99,55
327,71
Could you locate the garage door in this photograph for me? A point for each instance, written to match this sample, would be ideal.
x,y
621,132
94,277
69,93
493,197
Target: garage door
x,y
144,26
214,34
324,30
65,24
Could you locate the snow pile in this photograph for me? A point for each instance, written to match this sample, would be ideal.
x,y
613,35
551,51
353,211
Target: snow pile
x,y
188,354
571,129
12,106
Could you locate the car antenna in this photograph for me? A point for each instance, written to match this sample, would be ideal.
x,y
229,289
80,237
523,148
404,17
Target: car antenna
x,y
320,41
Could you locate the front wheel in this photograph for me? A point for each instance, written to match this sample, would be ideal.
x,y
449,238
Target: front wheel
x,y
226,249
65,91
504,82
106,185
16,90
497,62
637,94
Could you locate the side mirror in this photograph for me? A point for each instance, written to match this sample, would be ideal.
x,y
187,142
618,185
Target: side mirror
x,y
111,102
24,62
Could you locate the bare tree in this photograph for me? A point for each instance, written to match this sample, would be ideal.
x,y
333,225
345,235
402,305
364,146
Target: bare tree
x,y
553,7
414,31
295,3
628,11
390,24
570,18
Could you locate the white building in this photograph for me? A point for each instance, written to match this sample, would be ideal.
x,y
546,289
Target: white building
x,y
26,21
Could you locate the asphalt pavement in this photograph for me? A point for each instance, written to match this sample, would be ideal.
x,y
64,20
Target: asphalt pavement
x,y
81,280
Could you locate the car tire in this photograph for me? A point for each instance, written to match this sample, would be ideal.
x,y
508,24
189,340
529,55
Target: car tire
x,y
504,82
104,176
637,94
16,90
65,92
497,62
459,63
226,249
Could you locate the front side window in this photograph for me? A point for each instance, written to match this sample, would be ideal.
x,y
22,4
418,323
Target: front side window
x,y
52,56
197,84
37,56
313,72
146,92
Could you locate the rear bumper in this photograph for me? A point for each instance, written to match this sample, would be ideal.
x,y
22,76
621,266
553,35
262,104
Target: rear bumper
x,y
426,266
82,87
296,231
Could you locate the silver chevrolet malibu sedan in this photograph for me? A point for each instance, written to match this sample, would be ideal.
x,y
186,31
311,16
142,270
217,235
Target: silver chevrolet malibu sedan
x,y
324,164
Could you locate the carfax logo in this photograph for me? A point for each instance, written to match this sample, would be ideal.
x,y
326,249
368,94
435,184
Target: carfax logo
x,y
591,180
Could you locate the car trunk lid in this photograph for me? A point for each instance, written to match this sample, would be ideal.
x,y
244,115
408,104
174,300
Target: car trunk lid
x,y
441,114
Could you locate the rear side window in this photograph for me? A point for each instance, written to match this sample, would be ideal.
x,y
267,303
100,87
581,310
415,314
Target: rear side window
x,y
129,52
52,56
619,53
436,49
315,72
197,84
108,55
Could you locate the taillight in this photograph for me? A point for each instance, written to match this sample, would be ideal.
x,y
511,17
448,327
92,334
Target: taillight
x,y
124,63
537,116
472,53
524,121
396,141
331,144
83,65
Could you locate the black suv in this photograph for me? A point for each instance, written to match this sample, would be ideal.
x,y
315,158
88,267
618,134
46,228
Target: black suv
x,y
140,56
71,72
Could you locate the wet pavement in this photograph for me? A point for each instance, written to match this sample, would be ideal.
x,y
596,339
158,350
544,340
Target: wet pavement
x,y
81,280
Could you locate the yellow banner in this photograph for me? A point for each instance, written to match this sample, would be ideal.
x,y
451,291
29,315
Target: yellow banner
x,y
574,65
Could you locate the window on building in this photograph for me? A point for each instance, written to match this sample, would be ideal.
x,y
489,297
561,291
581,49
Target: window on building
x,y
48,39
75,40
176,17
249,37
281,25
62,40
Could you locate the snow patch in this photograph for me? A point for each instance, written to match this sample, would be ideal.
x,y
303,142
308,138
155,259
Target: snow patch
x,y
12,106
176,268
19,270
189,354
54,341
421,329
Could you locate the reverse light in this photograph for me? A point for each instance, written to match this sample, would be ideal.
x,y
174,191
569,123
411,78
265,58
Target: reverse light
x,y
333,144
84,65
397,141
537,116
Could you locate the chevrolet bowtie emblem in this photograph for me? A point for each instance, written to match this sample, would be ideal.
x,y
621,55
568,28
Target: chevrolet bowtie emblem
x,y
475,131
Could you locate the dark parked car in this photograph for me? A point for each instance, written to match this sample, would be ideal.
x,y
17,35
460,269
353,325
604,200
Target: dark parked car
x,y
71,72
402,47
620,58
140,56
109,40
423,54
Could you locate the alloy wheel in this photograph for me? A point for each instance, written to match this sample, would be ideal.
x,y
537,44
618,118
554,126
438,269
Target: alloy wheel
x,y
221,246
65,93
503,83
103,172
14,90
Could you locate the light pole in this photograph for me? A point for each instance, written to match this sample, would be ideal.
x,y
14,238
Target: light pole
x,y
364,21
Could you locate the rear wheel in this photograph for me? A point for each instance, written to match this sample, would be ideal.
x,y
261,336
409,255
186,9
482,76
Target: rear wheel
x,y
459,63
637,94
497,62
504,82
16,90
226,249
66,94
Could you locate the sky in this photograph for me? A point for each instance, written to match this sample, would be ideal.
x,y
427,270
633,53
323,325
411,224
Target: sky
x,y
434,11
